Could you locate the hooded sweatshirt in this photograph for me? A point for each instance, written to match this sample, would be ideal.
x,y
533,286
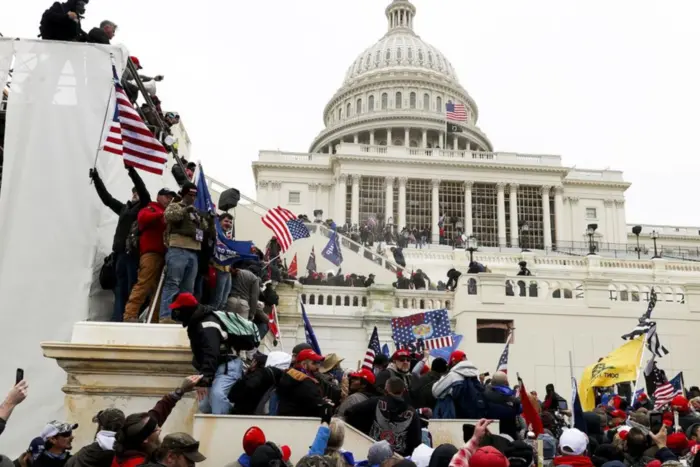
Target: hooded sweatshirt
x,y
462,370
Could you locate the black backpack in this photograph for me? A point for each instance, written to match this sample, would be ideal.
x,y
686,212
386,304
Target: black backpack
x,y
108,275
132,240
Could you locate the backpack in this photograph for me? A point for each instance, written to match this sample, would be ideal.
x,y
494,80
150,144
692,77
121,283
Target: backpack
x,y
132,240
471,404
268,403
242,333
108,275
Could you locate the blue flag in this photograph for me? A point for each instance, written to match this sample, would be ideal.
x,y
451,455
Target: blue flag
x,y
678,385
385,349
227,250
576,408
445,352
309,331
203,202
332,251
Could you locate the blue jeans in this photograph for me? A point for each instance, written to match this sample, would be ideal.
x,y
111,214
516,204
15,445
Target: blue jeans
x,y
217,402
180,272
126,268
223,288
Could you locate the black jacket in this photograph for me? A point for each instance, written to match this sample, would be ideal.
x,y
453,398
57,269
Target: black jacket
x,y
504,408
209,346
384,375
56,25
247,392
91,455
299,395
44,460
390,418
422,390
97,36
127,212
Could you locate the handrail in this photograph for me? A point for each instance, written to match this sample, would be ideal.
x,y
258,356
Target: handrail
x,y
366,252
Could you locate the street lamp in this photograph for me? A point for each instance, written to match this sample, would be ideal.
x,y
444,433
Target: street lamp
x,y
654,236
523,230
637,229
590,231
472,246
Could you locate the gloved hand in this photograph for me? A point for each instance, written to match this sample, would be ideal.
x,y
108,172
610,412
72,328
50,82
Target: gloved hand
x,y
326,413
93,174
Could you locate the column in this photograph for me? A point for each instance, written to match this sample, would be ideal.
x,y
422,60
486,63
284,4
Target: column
x,y
277,199
402,203
425,139
558,215
262,191
514,232
313,191
407,135
620,221
356,138
608,218
547,221
441,141
371,138
388,137
355,207
455,143
468,220
389,199
501,199
341,189
436,212
576,233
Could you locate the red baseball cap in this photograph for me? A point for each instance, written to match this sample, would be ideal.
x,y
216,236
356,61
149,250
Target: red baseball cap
x,y
488,456
184,300
365,374
252,439
457,356
401,353
286,452
309,354
680,403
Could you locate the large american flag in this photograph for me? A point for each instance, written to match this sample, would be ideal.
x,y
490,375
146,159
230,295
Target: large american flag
x,y
663,390
373,349
432,328
285,226
503,361
456,112
130,138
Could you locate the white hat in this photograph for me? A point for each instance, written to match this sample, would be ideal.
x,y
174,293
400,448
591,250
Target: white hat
x,y
56,427
573,442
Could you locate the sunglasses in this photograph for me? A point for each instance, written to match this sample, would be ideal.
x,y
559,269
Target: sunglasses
x,y
402,359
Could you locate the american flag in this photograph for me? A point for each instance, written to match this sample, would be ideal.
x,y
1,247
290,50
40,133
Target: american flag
x,y
432,328
285,226
456,112
372,350
663,390
503,361
130,138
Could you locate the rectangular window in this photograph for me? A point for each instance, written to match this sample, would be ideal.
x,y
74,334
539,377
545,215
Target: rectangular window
x,y
294,197
591,213
494,331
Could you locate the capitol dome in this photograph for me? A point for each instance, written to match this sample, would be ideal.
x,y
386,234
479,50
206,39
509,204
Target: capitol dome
x,y
396,93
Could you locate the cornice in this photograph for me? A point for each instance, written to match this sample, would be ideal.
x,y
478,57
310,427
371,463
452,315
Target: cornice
x,y
286,165
601,183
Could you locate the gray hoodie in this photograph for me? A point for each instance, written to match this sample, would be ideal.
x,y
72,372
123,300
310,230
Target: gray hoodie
x,y
464,369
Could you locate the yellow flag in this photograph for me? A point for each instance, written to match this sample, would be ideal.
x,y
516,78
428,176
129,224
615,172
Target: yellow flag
x,y
618,366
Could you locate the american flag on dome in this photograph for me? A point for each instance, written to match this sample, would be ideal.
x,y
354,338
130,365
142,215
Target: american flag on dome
x,y
130,138
373,349
285,226
456,112
432,328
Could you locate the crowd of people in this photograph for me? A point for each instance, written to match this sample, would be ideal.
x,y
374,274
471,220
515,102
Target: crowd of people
x,y
393,402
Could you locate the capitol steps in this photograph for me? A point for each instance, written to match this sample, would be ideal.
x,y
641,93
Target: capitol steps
x,y
356,258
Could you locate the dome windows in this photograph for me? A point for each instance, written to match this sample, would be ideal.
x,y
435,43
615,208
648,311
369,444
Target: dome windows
x,y
426,101
370,104
430,58
399,54
377,58
340,114
412,100
358,107
348,111
410,54
420,56
385,101
388,56
439,104
399,99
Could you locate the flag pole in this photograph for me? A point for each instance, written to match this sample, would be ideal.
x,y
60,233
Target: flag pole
x,y
104,120
640,369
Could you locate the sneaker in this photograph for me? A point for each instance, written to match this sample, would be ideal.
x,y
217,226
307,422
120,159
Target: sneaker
x,y
167,321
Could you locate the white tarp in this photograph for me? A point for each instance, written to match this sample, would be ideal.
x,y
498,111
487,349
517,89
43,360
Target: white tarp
x,y
6,54
54,231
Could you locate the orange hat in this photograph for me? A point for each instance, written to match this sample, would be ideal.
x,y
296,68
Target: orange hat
x,y
456,357
183,300
252,439
364,374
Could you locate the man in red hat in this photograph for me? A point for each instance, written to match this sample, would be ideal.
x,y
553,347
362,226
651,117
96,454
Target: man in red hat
x,y
399,367
686,417
299,392
361,388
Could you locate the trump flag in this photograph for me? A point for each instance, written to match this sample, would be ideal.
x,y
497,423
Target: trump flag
x,y
431,328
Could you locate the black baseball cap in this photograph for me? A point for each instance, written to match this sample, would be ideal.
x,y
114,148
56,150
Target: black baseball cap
x,y
187,187
166,192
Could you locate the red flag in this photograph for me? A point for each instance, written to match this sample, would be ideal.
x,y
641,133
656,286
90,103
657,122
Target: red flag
x,y
532,418
293,268
272,323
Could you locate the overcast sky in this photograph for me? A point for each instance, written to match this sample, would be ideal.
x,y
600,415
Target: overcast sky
x,y
602,83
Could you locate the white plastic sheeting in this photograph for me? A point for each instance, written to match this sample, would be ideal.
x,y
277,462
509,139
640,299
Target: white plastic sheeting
x,y
54,231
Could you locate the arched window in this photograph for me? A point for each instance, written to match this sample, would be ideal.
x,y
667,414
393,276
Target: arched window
x,y
348,110
413,100
340,113
358,107
385,101
430,58
426,102
388,55
410,54
399,98
439,105
377,57
370,104
399,54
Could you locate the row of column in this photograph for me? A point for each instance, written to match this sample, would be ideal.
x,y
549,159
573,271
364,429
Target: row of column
x,y
341,193
442,140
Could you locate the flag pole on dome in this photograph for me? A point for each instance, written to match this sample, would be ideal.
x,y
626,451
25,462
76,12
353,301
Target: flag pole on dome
x,y
104,120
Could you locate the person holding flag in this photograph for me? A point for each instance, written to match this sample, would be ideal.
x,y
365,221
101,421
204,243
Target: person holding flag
x,y
221,261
